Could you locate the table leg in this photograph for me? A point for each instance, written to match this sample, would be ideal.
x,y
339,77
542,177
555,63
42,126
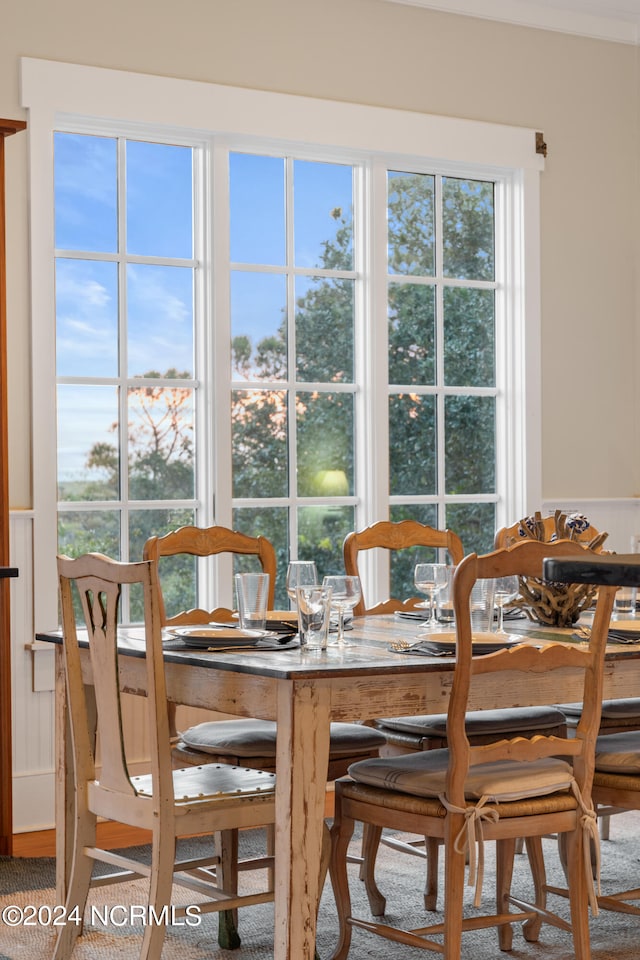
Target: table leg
x,y
64,802
301,769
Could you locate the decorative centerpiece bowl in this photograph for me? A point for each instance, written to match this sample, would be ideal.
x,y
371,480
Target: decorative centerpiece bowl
x,y
556,604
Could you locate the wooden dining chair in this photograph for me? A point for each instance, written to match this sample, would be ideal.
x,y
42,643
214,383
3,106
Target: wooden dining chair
x,y
213,799
401,535
411,734
617,716
466,795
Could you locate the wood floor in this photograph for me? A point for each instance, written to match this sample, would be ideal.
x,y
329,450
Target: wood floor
x,y
42,843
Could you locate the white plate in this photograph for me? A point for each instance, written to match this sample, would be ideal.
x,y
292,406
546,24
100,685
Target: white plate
x,y
625,626
203,636
481,642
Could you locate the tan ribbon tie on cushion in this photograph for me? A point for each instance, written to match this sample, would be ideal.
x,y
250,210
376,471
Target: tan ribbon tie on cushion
x,y
589,824
470,836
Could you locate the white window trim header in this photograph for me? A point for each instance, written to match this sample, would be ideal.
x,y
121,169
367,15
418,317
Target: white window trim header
x,y
60,88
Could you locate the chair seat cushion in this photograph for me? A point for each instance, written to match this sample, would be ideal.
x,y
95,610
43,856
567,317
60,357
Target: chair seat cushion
x,y
624,709
478,721
424,775
249,737
618,752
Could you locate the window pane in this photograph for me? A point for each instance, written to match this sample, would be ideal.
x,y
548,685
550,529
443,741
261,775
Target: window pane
x,y
470,445
258,326
324,330
257,208
469,337
272,523
321,532
475,524
412,444
468,229
95,531
325,444
86,194
411,333
160,320
403,562
88,455
86,318
161,460
159,200
259,443
322,205
411,224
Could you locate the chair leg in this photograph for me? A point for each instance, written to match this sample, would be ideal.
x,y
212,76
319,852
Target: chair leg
x,y
370,845
79,883
531,928
341,834
505,853
163,854
432,845
453,894
578,895
227,877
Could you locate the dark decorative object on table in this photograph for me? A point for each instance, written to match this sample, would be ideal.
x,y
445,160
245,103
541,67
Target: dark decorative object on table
x,y
557,604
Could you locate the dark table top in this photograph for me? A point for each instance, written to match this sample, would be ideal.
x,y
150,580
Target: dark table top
x,y
613,570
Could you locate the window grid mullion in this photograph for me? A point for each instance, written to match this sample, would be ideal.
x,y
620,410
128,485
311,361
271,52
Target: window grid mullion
x,y
440,397
291,384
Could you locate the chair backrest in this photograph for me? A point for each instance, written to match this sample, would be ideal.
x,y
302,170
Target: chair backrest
x,y
207,542
97,708
396,536
525,670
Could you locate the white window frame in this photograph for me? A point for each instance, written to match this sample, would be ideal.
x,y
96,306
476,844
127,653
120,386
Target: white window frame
x,y
69,96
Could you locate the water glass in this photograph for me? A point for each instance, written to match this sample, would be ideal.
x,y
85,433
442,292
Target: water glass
x,y
300,573
482,605
314,616
252,593
624,604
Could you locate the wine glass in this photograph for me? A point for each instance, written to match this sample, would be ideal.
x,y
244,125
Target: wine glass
x,y
505,589
346,594
300,573
430,578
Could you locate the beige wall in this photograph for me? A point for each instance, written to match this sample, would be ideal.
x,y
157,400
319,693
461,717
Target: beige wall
x,y
582,93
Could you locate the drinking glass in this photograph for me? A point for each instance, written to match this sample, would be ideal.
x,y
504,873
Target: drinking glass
x,y
346,594
314,613
505,589
300,573
430,578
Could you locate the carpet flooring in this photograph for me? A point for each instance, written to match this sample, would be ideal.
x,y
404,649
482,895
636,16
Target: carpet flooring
x,y
614,936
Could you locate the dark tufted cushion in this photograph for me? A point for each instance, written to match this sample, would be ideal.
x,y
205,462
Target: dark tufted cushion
x,y
478,722
248,738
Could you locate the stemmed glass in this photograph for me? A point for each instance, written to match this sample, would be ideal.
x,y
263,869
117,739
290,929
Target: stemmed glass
x,y
430,578
300,573
505,589
346,594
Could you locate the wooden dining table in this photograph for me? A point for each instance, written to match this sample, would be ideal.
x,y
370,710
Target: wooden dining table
x,y
304,692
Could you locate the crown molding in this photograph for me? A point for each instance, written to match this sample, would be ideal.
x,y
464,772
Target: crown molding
x,y
591,19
